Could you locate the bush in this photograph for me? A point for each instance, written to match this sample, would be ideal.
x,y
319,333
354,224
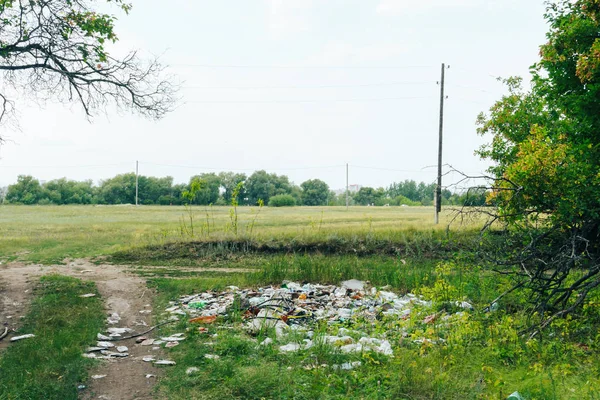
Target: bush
x,y
282,200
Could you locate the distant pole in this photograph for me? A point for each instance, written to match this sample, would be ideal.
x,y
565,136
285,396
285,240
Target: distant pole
x,y
136,181
347,188
438,188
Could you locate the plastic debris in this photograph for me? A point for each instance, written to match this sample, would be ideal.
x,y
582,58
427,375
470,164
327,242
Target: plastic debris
x,y
212,356
165,362
98,376
103,337
105,345
171,344
122,349
192,370
515,396
150,376
148,359
16,338
113,354
347,366
113,319
206,319
88,295
147,342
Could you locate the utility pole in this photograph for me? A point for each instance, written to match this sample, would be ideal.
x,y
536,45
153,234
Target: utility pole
x,y
136,181
347,199
438,188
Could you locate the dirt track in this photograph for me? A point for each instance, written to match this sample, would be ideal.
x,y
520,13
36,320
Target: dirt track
x,y
122,292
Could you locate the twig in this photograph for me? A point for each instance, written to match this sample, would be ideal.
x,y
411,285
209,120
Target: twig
x,y
3,335
143,333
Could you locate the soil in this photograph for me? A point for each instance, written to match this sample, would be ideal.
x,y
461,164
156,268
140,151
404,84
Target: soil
x,y
123,293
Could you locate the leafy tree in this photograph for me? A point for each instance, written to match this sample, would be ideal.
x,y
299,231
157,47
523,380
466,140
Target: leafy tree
x,y
64,191
262,186
118,190
547,173
368,195
27,190
229,182
209,190
315,192
282,200
58,49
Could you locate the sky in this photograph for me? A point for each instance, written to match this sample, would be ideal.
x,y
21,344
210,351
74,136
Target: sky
x,y
296,87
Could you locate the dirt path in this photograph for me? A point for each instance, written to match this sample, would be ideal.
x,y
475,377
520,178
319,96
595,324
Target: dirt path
x,y
122,292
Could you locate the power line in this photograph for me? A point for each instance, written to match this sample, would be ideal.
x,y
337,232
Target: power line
x,y
389,169
241,169
64,166
381,84
305,101
230,66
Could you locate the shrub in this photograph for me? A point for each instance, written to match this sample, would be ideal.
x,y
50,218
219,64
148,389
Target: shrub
x,y
282,200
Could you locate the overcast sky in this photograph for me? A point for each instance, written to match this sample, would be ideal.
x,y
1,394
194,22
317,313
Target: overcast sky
x,y
298,87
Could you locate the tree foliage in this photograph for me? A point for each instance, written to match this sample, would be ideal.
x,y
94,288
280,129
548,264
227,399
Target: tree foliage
x,y
315,192
59,49
547,165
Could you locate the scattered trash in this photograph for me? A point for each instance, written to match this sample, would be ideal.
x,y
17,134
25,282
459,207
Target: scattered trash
x,y
122,349
140,339
105,345
171,344
98,376
4,333
165,362
148,359
113,354
113,319
16,338
212,356
347,366
103,337
515,396
81,387
88,295
295,307
207,319
192,370
173,338
147,342
145,311
150,376
118,331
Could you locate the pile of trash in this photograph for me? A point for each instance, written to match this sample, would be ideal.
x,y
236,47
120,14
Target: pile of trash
x,y
294,307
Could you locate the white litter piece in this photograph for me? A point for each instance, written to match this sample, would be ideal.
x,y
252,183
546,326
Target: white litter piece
x,y
88,295
147,342
16,338
102,337
212,356
148,358
347,366
165,362
172,338
150,376
113,354
119,331
266,342
122,349
192,370
105,345
354,284
98,376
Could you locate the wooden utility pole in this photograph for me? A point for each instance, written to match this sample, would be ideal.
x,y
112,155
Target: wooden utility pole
x,y
136,181
347,188
438,188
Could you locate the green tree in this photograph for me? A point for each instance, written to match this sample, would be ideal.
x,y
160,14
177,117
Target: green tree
x,y
261,186
118,190
315,192
64,191
547,164
27,190
209,191
368,195
229,182
57,49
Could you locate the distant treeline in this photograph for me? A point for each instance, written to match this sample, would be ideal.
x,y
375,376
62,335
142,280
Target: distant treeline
x,y
218,189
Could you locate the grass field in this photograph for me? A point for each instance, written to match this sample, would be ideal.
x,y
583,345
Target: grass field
x,y
484,356
51,233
